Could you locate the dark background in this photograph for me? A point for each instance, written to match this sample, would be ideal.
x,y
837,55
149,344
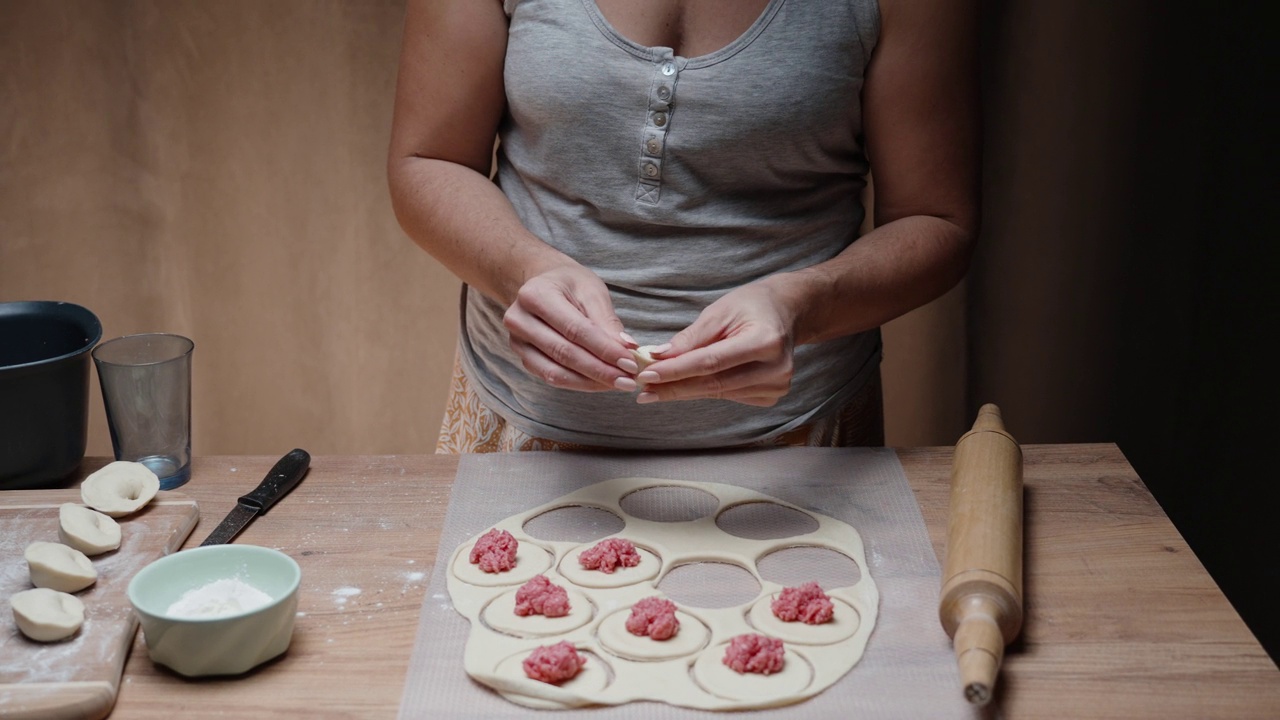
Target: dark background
x,y
1138,140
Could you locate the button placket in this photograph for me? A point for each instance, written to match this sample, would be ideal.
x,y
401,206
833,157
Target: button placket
x,y
662,89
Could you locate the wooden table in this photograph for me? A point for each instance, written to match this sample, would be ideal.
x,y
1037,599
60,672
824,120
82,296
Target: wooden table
x,y
1122,620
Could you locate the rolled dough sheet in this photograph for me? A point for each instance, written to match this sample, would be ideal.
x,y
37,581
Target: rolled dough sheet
x,y
621,670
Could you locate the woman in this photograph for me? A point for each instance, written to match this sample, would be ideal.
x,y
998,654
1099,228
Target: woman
x,y
685,174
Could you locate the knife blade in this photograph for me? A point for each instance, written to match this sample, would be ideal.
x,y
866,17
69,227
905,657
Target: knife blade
x,y
284,475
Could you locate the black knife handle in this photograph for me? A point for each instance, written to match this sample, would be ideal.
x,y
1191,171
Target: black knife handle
x,y
284,475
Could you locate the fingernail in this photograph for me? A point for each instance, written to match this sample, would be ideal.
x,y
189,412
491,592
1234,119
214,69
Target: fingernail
x,y
628,365
628,339
647,377
625,384
645,398
661,349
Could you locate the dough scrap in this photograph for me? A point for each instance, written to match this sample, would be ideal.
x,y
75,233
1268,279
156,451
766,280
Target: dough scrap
x,y
120,488
46,615
87,530
59,567
686,670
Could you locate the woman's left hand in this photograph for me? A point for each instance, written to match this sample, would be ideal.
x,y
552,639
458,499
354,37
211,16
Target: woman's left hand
x,y
739,349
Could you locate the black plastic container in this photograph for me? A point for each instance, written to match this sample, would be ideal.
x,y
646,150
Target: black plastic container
x,y
44,391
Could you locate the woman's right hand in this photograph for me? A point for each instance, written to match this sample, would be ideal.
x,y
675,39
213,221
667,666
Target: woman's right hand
x,y
564,329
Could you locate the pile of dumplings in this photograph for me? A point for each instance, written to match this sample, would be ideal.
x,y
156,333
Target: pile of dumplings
x,y
50,611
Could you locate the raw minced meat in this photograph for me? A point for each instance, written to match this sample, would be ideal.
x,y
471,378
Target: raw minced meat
x,y
540,596
554,663
655,617
610,554
752,653
806,603
495,551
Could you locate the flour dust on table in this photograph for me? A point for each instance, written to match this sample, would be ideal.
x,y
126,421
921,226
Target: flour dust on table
x,y
592,655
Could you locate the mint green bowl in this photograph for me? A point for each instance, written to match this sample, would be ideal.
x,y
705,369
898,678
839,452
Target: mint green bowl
x,y
226,644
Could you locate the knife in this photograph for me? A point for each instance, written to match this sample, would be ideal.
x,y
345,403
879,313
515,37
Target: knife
x,y
284,475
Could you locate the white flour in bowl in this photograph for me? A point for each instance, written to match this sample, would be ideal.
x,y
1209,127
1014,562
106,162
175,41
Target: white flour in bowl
x,y
228,596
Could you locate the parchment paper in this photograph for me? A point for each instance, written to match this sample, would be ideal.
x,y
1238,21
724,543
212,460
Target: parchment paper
x,y
908,670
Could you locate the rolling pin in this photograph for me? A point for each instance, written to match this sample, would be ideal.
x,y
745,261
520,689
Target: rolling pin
x,y
981,601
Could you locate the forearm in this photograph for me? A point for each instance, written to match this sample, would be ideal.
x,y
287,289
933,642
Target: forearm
x,y
886,273
465,222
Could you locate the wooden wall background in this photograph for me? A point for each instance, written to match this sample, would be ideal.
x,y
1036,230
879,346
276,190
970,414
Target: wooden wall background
x,y
216,169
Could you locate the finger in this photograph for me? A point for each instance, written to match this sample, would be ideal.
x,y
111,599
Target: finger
x,y
541,366
704,331
600,309
751,380
719,357
574,323
558,350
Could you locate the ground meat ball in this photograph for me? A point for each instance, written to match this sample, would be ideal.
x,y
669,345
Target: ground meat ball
x,y
655,617
540,596
554,663
495,551
609,554
806,603
753,653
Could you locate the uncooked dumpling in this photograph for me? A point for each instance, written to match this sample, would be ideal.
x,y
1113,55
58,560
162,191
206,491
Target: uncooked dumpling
x,y
88,531
120,488
47,615
643,356
58,567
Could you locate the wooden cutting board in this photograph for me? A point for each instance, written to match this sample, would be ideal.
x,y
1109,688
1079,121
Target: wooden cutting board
x,y
79,677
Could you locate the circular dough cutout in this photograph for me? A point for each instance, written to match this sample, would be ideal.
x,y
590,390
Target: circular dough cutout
x,y
762,520
573,571
87,530
592,678
799,564
669,503
573,523
531,560
720,679
614,636
46,615
843,624
710,585
120,488
501,616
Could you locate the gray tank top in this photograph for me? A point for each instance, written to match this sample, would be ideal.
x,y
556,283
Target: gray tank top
x,y
676,180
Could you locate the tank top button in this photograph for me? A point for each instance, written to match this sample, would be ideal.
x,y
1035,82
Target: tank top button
x,y
668,68
650,170
652,147
660,119
664,92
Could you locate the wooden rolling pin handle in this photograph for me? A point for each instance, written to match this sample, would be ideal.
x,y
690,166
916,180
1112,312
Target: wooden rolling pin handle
x,y
979,648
